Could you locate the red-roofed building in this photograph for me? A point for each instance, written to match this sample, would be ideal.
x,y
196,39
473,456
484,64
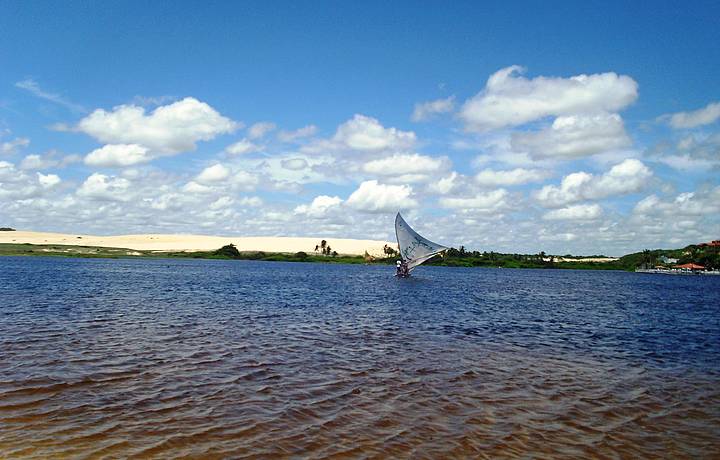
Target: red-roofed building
x,y
690,266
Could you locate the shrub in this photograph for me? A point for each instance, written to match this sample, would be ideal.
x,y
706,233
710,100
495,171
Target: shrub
x,y
228,251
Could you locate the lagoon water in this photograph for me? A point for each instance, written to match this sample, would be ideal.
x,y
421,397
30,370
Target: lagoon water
x,y
239,359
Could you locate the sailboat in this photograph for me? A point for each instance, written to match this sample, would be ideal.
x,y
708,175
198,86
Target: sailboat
x,y
414,249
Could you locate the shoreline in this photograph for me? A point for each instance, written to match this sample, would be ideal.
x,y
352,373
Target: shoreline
x,y
197,243
96,252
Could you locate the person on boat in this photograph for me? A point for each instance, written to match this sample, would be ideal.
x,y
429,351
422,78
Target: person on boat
x,y
402,269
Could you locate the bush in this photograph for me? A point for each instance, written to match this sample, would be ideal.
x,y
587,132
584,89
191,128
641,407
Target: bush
x,y
228,251
301,255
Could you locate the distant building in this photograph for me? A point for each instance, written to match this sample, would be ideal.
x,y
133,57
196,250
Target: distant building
x,y
668,260
690,266
713,243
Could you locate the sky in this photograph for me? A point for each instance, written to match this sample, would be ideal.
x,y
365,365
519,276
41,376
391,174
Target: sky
x,y
566,127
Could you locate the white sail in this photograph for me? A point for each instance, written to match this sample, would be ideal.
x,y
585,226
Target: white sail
x,y
414,249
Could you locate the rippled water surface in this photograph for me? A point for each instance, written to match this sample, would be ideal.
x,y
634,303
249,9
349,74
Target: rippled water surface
x,y
225,359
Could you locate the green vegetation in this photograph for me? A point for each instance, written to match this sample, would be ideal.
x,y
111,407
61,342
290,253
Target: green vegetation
x,y
324,249
702,254
6,229
708,256
229,251
462,258
225,253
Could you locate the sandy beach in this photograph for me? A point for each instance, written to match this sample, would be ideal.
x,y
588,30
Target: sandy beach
x,y
159,242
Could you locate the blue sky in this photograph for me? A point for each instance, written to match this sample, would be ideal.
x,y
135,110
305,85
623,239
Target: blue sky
x,y
321,118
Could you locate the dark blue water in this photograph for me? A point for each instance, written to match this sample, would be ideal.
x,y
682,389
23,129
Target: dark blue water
x,y
168,358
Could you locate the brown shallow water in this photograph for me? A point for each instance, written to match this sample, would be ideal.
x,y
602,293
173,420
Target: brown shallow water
x,y
195,359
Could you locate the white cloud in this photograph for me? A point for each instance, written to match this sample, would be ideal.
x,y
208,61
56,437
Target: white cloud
x,y
222,202
244,180
17,184
32,86
250,201
294,164
290,136
444,185
511,100
260,129
48,180
213,174
402,164
241,147
34,162
705,116
576,212
105,188
703,203
487,202
10,147
627,177
574,136
195,188
364,134
372,196
425,110
118,155
319,207
689,163
518,176
168,129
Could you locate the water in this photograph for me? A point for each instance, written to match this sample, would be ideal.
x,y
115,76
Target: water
x,y
218,359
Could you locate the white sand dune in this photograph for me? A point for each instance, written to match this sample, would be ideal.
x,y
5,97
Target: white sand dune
x,y
198,242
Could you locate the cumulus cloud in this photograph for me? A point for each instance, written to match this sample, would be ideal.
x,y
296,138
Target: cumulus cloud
x,y
294,164
193,187
685,120
406,164
118,155
425,110
10,147
34,162
445,184
16,184
630,176
48,180
517,176
168,130
702,203
509,99
364,134
213,174
244,180
372,196
260,129
696,152
241,147
320,206
487,202
575,212
574,136
300,133
105,188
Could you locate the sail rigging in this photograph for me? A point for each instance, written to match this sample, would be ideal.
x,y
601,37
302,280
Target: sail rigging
x,y
414,249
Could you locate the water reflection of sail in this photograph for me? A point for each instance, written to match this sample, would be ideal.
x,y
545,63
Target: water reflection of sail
x,y
414,249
